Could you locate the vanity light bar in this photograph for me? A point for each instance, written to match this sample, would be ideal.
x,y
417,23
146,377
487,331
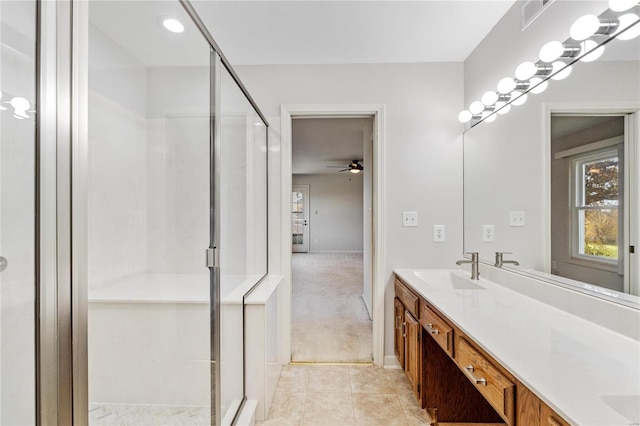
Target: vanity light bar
x,y
556,60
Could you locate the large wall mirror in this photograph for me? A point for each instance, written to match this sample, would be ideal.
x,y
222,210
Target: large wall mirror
x,y
555,182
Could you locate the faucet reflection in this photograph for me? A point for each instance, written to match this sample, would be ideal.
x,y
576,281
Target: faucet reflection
x,y
500,261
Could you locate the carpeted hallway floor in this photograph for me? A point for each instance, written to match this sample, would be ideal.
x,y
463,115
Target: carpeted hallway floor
x,y
329,320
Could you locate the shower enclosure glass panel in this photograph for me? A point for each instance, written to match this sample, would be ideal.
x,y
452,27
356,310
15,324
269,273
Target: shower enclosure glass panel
x,y
243,227
17,211
149,143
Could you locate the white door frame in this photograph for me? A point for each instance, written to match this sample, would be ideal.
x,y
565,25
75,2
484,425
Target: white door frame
x,y
377,278
305,189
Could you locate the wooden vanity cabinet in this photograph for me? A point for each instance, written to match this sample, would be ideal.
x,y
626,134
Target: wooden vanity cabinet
x,y
408,335
456,381
398,335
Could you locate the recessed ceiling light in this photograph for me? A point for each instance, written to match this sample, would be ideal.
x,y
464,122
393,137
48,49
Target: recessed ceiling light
x,y
173,25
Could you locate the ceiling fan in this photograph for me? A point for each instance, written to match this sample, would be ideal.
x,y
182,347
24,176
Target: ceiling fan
x,y
353,167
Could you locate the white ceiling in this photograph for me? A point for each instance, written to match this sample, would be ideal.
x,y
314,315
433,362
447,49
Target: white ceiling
x,y
301,31
327,145
339,32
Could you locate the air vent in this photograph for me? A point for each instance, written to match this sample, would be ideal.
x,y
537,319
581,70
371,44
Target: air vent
x,y
532,9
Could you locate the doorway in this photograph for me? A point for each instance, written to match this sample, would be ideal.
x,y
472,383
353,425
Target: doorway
x,y
331,175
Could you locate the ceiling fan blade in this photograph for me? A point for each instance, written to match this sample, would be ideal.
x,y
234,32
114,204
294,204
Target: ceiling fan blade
x,y
336,167
343,170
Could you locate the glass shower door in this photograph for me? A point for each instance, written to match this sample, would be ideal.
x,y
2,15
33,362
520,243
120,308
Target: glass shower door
x,y
149,138
17,212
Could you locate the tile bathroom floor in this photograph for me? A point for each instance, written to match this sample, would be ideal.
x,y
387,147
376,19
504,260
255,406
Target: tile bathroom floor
x,y
344,395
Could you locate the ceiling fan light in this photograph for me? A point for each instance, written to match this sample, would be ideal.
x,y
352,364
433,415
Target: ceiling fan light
x,y
355,170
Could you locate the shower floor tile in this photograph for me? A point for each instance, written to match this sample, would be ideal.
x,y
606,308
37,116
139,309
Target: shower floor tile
x,y
143,415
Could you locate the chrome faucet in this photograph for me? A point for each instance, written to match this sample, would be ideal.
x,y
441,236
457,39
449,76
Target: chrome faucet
x,y
475,271
500,261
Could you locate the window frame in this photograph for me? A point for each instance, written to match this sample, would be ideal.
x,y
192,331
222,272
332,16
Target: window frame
x,y
576,206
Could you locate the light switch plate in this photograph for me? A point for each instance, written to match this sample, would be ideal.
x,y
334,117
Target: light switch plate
x,y
438,233
516,218
488,233
409,218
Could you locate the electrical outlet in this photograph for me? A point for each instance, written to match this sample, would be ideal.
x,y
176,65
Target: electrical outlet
x,y
516,218
488,234
409,218
438,233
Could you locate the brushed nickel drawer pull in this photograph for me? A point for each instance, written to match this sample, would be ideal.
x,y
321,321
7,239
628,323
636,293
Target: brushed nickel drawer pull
x,y
478,381
404,329
433,330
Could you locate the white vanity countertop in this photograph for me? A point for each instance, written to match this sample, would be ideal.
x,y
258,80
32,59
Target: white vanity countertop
x,y
588,374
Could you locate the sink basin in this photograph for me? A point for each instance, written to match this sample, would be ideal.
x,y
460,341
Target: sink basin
x,y
448,279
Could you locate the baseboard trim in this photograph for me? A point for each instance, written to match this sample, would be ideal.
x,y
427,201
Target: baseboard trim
x,y
390,361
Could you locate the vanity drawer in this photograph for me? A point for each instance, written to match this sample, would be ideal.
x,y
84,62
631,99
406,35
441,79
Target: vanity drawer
x,y
409,299
438,328
550,418
492,384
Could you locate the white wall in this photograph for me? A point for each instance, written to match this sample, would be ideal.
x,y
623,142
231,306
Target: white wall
x,y
117,215
335,211
422,154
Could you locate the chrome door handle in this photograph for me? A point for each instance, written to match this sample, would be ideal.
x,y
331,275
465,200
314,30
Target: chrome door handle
x,y
3,263
477,380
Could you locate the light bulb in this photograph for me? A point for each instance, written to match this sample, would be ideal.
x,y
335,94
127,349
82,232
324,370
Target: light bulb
x,y
464,116
560,70
538,86
20,106
354,171
173,25
551,51
506,85
1,107
476,107
505,109
519,98
526,70
584,27
491,118
627,21
489,98
621,5
590,46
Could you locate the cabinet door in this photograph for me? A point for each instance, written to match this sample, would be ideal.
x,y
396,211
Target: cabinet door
x,y
413,353
398,318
